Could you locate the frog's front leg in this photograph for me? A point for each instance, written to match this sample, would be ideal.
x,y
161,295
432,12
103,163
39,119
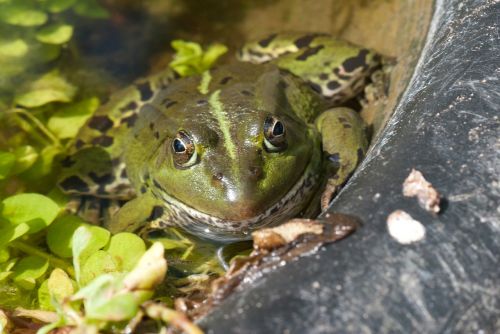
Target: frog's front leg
x,y
344,146
141,213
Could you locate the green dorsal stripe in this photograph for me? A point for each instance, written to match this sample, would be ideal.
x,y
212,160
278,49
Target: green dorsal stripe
x,y
218,110
205,82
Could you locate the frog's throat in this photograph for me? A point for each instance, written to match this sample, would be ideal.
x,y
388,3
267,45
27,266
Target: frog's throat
x,y
218,229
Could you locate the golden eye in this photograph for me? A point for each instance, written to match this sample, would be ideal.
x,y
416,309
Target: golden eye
x,y
184,150
274,134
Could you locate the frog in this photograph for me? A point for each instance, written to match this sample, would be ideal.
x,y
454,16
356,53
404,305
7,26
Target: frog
x,y
242,146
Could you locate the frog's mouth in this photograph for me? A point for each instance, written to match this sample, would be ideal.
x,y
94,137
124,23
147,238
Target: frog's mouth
x,y
219,229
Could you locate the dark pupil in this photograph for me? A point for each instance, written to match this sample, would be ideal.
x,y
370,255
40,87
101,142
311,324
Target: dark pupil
x,y
179,146
278,129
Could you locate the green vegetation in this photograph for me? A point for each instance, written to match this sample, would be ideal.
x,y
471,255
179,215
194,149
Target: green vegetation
x,y
55,267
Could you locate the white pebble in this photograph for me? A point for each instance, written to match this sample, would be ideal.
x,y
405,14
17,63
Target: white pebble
x,y
404,228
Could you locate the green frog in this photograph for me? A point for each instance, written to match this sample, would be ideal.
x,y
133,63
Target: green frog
x,y
241,146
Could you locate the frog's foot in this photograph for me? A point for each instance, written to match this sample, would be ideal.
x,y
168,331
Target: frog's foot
x,y
378,88
93,210
328,194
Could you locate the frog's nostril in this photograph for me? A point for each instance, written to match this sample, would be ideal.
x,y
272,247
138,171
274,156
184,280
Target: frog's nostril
x,y
256,172
217,179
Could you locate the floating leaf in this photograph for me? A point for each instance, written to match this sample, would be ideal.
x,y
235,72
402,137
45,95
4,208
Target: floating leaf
x,y
13,48
68,120
51,87
60,285
58,33
7,161
87,240
117,308
4,255
44,298
60,234
10,233
28,269
26,156
35,210
98,263
21,14
126,250
90,8
57,6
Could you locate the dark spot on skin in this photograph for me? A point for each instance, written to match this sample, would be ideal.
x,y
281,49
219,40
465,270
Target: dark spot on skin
x,y
123,174
225,80
342,120
353,63
101,123
283,84
67,162
315,87
167,103
218,176
128,107
115,162
361,154
336,71
266,41
156,213
105,179
104,141
309,52
327,63
346,126
324,76
246,93
130,120
201,102
74,183
304,41
156,134
333,85
145,90
143,189
79,144
151,126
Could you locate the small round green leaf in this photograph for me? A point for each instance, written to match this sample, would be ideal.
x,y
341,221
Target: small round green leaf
x,y
98,263
117,308
13,48
36,210
90,8
7,161
60,285
44,298
68,120
60,234
51,87
87,240
31,267
57,6
126,250
58,33
25,158
20,13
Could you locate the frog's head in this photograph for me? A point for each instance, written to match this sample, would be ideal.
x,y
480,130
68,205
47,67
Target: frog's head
x,y
233,154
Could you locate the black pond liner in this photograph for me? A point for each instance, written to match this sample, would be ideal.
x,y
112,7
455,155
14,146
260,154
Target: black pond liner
x,y
447,126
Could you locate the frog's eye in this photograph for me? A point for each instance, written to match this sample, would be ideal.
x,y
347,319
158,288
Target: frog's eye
x,y
184,150
274,134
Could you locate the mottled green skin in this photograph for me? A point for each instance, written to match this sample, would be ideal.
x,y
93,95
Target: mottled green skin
x,y
234,184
